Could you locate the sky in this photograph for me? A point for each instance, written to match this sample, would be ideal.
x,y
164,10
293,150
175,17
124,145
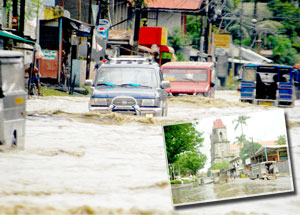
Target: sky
x,y
261,126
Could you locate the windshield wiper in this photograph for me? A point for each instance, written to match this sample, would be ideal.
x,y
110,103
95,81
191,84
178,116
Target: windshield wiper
x,y
134,85
106,84
189,79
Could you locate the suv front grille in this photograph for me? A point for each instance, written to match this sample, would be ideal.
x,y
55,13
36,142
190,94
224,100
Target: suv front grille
x,y
124,101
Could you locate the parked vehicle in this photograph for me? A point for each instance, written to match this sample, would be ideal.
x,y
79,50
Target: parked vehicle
x,y
296,75
12,100
131,85
263,170
193,78
267,85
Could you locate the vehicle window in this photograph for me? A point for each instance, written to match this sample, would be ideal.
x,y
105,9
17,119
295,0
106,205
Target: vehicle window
x,y
284,75
12,75
119,76
249,73
185,74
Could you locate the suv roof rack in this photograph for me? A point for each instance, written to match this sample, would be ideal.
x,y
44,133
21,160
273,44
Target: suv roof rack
x,y
132,58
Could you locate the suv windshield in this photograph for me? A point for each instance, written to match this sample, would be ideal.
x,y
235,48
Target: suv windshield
x,y
127,77
185,75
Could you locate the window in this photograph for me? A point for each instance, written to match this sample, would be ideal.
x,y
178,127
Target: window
x,y
199,75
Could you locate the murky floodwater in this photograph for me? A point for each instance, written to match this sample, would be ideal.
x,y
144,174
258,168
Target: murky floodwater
x,y
194,193
75,162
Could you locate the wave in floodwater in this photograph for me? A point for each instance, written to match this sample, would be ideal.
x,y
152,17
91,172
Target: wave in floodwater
x,y
110,118
85,209
204,102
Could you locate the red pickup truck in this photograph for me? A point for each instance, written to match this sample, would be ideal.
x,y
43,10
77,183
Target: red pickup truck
x,y
192,78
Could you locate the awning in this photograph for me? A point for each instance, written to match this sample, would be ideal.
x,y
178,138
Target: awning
x,y
82,29
14,37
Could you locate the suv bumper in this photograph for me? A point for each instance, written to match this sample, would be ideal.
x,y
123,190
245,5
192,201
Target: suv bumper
x,y
136,110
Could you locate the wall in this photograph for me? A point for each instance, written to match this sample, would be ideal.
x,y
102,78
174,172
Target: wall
x,y
283,167
167,20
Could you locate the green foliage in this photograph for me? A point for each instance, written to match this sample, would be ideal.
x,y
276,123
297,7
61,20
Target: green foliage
x,y
176,39
181,138
283,51
248,150
241,139
191,161
220,166
193,29
240,121
281,140
175,181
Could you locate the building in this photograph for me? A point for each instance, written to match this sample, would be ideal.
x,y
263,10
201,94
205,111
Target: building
x,y
220,147
278,153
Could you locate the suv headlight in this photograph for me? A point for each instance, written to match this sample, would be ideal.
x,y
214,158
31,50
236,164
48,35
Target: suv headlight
x,y
98,101
148,102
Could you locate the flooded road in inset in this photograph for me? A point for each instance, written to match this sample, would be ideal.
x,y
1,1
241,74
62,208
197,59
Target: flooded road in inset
x,y
194,193
76,162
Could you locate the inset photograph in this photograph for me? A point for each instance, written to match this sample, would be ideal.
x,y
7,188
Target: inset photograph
x,y
228,157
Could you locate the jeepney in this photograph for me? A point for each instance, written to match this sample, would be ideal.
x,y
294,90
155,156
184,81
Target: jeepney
x,y
263,170
12,100
267,85
296,75
192,78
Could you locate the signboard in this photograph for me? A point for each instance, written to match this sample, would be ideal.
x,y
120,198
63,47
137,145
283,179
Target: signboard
x,y
49,55
248,161
102,29
222,40
164,36
14,21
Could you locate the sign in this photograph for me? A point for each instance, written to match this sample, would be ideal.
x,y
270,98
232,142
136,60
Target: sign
x,y
14,21
102,29
222,40
221,51
49,55
164,36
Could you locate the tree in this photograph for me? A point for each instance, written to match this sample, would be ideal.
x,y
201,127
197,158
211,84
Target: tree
x,y
240,121
192,161
283,51
222,166
240,140
181,138
281,140
249,150
176,40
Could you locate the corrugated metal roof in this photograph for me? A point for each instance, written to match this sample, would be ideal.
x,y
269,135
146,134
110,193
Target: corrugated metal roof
x,y
175,4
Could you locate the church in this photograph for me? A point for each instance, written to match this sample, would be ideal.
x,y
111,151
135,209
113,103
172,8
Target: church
x,y
220,146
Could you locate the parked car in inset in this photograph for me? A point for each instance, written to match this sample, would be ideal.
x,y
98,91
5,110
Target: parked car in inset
x,y
192,78
132,85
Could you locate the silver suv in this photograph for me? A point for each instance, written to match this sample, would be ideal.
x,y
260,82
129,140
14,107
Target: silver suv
x,y
131,85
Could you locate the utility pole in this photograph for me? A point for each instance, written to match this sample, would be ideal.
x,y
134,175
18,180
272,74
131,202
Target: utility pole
x,y
22,18
79,10
90,12
136,27
15,14
99,13
241,22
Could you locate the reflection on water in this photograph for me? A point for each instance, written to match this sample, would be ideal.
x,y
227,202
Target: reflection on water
x,y
191,193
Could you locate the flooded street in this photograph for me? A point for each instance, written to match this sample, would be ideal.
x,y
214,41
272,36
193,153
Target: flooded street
x,y
76,162
235,188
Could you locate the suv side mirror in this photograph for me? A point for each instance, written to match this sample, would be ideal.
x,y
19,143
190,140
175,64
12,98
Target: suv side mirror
x,y
165,84
88,82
